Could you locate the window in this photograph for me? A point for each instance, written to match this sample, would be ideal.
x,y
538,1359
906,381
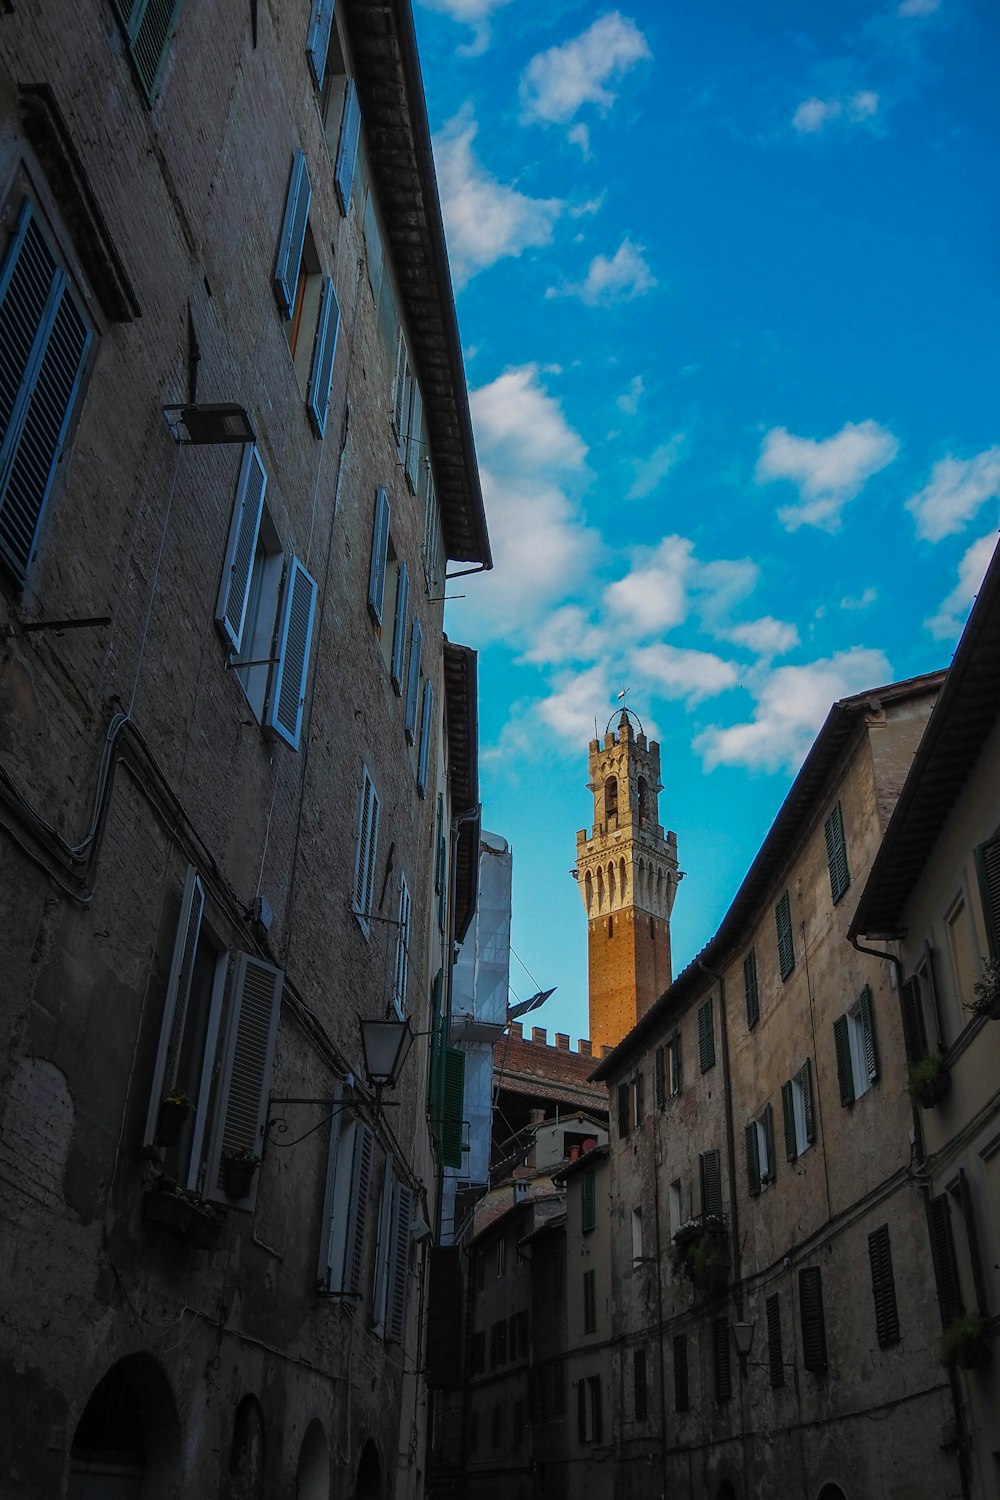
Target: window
x,y
722,1371
549,1390
775,1357
783,924
798,1111
432,552
517,1438
426,723
407,415
364,864
963,950
988,868
147,26
45,335
710,1171
836,854
611,798
857,1054
345,1211
883,1288
402,949
501,1256
630,1106
667,1070
640,1403
399,627
589,1425
392,1259
759,1140
682,1401
958,1263
750,995
307,300
498,1344
338,95
588,1201
216,1048
660,1077
413,681
674,1058
265,609
477,1357
589,1301
812,1319
706,1036
497,1425
676,1201
636,1234
378,565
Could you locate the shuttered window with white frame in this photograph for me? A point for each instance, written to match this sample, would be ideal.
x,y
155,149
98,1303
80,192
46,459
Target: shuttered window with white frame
x,y
45,336
399,628
402,949
148,26
347,146
367,847
237,570
293,234
240,1111
399,1262
414,438
318,38
383,1241
380,555
287,694
346,1207
324,353
176,999
426,724
413,681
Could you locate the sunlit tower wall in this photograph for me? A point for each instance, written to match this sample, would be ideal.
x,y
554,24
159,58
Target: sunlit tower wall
x,y
626,871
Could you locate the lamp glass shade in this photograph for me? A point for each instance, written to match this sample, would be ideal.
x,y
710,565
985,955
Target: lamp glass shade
x,y
385,1046
742,1338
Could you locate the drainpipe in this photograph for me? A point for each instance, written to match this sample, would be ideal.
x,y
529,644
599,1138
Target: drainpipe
x,y
925,1193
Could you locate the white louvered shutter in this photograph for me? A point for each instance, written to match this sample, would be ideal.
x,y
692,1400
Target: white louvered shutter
x,y
288,680
383,1249
293,234
357,1219
399,1262
399,386
324,352
245,1080
413,681
399,628
414,444
364,870
380,554
318,40
426,715
347,149
234,589
176,1000
402,949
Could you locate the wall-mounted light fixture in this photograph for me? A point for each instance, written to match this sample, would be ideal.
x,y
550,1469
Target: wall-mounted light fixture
x,y
385,1046
209,423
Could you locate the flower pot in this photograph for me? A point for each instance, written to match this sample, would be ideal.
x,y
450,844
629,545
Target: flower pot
x,y
931,1093
170,1122
237,1177
182,1217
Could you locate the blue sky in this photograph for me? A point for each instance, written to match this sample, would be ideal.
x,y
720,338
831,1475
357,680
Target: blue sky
x,y
728,279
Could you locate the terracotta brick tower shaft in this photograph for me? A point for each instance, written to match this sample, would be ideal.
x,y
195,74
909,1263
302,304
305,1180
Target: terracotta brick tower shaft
x,y
626,870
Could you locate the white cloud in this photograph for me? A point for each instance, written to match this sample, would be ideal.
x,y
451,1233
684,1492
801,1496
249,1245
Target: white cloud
x,y
955,491
651,471
676,672
721,585
567,635
612,279
814,115
474,13
766,636
486,220
828,473
947,623
864,600
571,707
652,596
518,423
918,7
580,136
791,705
628,401
557,83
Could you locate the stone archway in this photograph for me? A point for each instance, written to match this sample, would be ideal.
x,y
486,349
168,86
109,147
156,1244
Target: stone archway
x,y
369,1485
312,1477
247,1453
127,1442
831,1492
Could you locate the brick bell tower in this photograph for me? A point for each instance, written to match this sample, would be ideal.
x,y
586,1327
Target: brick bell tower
x,y
626,871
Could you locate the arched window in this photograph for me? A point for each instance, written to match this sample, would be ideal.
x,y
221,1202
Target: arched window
x,y
611,927
832,1492
246,1452
610,798
643,800
369,1485
312,1477
128,1431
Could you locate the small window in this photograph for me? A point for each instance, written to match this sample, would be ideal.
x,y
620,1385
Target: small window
x,y
883,1288
630,1106
710,1169
759,1141
636,1235
750,995
786,948
345,1218
367,848
706,1036
836,854
402,949
775,1356
590,1426
798,1111
722,1369
588,1201
611,798
674,1061
856,1050
814,1355
660,1077
963,950
640,1403
643,789
432,553
682,1399
676,1201
426,725
501,1256
589,1301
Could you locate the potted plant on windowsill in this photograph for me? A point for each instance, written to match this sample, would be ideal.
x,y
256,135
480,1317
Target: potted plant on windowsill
x,y
701,1252
986,991
183,1213
238,1168
928,1081
964,1343
175,1108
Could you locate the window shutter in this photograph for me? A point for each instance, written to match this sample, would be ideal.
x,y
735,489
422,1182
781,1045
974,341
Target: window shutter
x,y
588,1202
813,1322
972,1240
380,554
354,1242
914,1029
364,870
706,1036
675,1063
245,1081
639,1098
786,948
681,1394
808,1102
413,681
868,1030
293,234
399,628
288,681
414,443
399,1265
581,1410
623,1111
318,40
753,1160
943,1256
767,1168
426,714
176,998
641,1403
988,866
148,26
710,1168
720,1359
775,1359
659,1078
883,1288
347,149
44,338
836,854
402,949
454,1107
845,1073
324,351
380,1284
788,1116
750,989
399,386
932,987
435,1072
595,1396
234,589
589,1301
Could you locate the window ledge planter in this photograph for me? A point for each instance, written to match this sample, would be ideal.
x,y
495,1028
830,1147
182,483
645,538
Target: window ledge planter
x,y
964,1342
173,1116
928,1082
238,1168
701,1252
986,991
184,1215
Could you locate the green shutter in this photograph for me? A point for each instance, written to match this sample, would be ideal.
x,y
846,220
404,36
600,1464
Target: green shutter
x,y
943,1255
750,993
588,1202
706,1036
788,1115
622,1110
659,1078
883,1288
753,1159
868,1030
836,854
722,1366
808,1102
914,1029
786,947
988,866
767,1120
148,26
814,1355
710,1171
675,1063
453,1112
775,1361
682,1400
845,1073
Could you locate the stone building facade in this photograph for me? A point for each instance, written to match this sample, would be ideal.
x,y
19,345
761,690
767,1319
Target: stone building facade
x,y
237,757
763,1180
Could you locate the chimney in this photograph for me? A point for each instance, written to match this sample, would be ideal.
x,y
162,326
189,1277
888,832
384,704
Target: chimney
x,y
536,1116
539,1034
562,1040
